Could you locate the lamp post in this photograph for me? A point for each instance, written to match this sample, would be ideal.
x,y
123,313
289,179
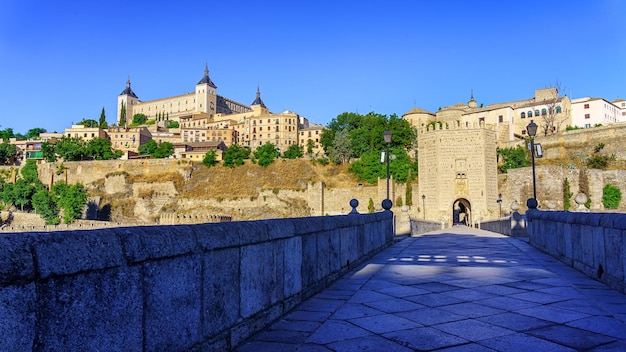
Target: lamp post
x,y
424,205
532,132
387,137
500,202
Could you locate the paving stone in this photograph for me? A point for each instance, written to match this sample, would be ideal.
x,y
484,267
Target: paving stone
x,y
321,305
471,310
394,305
296,325
402,291
429,317
381,324
364,296
469,295
575,338
425,339
358,310
516,322
553,314
602,324
473,330
368,343
336,330
308,316
538,297
507,303
523,343
500,289
434,300
262,346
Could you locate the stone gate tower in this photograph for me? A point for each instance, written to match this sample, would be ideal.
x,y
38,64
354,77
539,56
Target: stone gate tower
x,y
458,172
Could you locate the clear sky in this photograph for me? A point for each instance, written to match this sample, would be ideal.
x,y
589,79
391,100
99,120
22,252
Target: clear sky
x,y
62,61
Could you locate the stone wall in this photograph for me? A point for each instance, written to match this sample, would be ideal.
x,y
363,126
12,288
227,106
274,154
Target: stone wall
x,y
590,242
172,288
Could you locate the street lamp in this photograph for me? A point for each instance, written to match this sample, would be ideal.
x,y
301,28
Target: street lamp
x,y
532,132
387,137
424,205
500,202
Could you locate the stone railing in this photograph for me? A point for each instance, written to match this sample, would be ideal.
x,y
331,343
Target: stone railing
x,y
172,288
420,226
590,242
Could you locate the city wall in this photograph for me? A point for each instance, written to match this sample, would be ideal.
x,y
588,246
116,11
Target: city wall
x,y
172,288
590,242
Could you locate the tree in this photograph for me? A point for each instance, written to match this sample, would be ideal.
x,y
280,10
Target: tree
x,y
369,168
293,152
45,205
210,158
163,150
139,119
266,154
48,151
8,152
148,148
310,145
611,196
341,151
102,123
6,134
173,124
100,149
555,113
29,173
122,121
70,148
91,123
22,193
512,158
235,155
370,206
408,194
72,199
35,132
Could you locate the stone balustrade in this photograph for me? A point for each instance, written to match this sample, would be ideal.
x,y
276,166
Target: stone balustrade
x,y
172,288
590,242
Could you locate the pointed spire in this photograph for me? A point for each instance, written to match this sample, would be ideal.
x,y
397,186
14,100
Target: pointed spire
x,y
258,100
128,91
472,95
206,79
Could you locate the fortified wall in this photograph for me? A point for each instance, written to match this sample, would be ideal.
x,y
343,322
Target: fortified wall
x,y
172,288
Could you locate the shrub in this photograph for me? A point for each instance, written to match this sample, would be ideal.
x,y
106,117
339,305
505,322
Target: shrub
x,y
611,196
370,206
567,195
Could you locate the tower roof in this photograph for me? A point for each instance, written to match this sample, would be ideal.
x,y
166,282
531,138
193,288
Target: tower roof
x,y
258,100
128,91
206,79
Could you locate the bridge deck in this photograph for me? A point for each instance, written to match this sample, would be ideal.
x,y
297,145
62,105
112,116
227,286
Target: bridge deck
x,y
458,289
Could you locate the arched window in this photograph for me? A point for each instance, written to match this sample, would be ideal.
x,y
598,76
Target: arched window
x,y
558,109
536,112
523,115
530,113
544,112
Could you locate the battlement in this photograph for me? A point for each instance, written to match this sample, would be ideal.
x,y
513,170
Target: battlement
x,y
455,126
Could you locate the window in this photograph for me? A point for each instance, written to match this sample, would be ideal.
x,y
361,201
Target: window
x,y
500,119
586,106
523,131
536,112
530,113
558,109
544,112
587,116
523,115
587,125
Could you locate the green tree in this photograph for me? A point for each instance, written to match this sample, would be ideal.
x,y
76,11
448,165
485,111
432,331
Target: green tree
x,y
45,205
173,124
6,134
309,146
100,149
29,172
122,121
139,119
8,152
22,193
164,150
70,148
148,148
102,122
370,206
611,196
33,133
48,151
210,158
567,195
71,199
408,194
89,123
512,158
235,155
341,151
293,152
369,168
266,154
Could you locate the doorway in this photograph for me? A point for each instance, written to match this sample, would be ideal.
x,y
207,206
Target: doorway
x,y
461,212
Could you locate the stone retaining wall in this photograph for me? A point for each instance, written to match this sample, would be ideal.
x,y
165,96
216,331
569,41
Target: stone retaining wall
x,y
590,242
172,288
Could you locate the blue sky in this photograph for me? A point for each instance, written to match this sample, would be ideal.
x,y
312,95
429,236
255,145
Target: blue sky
x,y
62,61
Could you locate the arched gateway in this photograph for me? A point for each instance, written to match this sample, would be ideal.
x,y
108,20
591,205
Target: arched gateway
x,y
461,212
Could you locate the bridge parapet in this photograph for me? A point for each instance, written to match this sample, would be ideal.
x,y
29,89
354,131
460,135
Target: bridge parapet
x,y
593,243
174,288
